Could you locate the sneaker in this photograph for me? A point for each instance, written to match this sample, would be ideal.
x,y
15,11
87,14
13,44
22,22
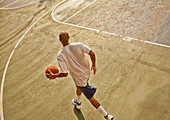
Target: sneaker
x,y
76,104
109,117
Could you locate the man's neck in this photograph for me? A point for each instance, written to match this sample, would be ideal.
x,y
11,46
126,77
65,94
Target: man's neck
x,y
66,44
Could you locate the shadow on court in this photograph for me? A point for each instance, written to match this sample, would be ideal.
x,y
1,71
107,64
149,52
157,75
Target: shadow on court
x,y
78,113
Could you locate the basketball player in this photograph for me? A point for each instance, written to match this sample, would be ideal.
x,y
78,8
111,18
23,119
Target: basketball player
x,y
72,59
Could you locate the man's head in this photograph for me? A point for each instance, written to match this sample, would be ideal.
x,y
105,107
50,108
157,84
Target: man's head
x,y
64,38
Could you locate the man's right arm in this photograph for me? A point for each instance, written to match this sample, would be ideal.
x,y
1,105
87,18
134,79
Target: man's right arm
x,y
51,75
93,60
63,69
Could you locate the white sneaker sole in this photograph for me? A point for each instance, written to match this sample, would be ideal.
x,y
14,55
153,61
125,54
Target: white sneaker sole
x,y
110,117
77,106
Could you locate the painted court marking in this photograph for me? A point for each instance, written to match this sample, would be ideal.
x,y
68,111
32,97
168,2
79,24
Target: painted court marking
x,y
52,9
114,34
7,64
80,10
52,14
5,7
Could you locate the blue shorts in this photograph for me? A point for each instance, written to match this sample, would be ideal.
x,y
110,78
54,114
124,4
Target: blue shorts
x,y
88,91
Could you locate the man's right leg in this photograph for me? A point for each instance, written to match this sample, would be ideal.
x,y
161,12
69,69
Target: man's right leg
x,y
78,94
77,102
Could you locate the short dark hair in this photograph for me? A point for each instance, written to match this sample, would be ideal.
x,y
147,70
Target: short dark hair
x,y
64,37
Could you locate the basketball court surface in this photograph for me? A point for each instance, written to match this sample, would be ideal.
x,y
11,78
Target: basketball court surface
x,y
133,63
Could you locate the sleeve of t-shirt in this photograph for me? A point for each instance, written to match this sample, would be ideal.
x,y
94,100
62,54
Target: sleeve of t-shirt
x,y
85,48
62,64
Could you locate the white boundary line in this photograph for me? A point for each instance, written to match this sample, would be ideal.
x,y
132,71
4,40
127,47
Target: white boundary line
x,y
153,43
52,14
3,8
76,25
80,11
7,64
123,38
130,39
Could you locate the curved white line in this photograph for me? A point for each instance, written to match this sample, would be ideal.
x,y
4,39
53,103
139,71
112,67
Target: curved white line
x,y
3,8
80,10
52,14
7,64
114,34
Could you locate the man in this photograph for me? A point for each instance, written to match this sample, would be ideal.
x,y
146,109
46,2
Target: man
x,y
72,59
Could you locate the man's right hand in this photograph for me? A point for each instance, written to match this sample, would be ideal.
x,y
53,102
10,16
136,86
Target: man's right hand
x,y
51,75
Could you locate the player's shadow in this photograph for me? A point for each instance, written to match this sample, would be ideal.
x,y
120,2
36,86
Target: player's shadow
x,y
78,113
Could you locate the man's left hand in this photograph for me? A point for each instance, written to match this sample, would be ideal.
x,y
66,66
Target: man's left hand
x,y
94,69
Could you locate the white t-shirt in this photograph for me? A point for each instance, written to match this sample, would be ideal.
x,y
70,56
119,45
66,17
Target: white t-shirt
x,y
72,59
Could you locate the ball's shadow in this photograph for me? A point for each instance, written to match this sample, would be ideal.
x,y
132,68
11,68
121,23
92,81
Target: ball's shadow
x,y
78,113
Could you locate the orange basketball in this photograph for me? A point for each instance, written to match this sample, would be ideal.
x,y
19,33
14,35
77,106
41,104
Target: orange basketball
x,y
53,69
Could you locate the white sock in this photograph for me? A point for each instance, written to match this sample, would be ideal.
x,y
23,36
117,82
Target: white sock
x,y
78,98
102,111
